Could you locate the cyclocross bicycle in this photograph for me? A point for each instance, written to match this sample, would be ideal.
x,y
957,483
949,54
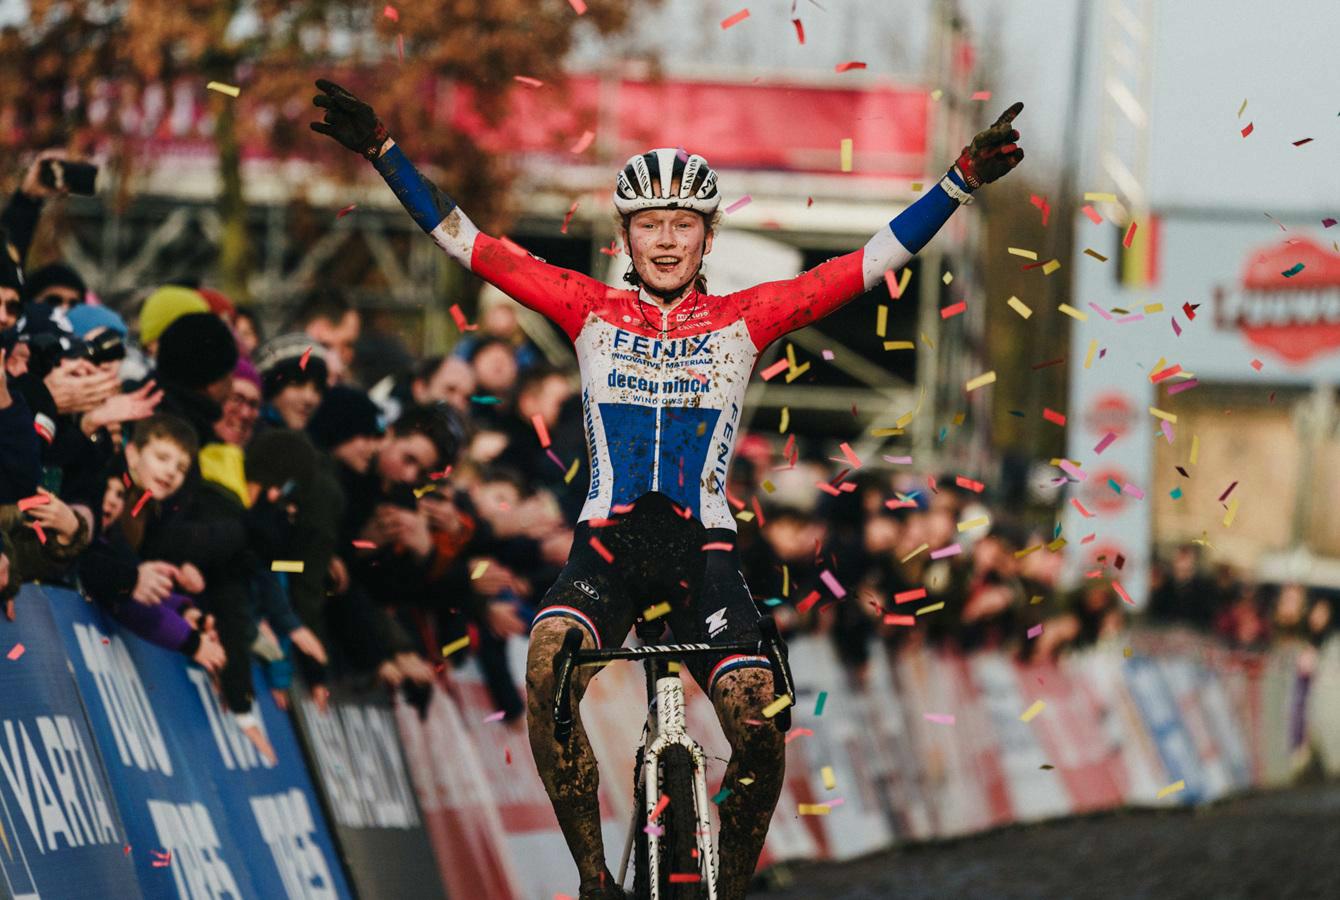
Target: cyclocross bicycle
x,y
675,859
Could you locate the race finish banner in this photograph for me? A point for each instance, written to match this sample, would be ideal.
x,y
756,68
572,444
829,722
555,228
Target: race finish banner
x,y
355,757
60,833
205,817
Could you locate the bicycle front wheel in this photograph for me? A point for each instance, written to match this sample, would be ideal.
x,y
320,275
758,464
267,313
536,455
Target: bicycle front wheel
x,y
677,847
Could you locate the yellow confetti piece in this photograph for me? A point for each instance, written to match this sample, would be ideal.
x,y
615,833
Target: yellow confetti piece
x,y
928,342
1089,251
1160,414
1088,357
903,279
1050,266
745,515
974,523
790,356
934,607
230,90
1020,307
1099,197
959,417
786,580
786,420
846,154
286,565
1020,554
480,568
655,612
797,372
1232,512
454,646
917,186
1151,308
881,320
746,781
900,345
1073,313
905,419
1026,254
982,380
830,781
885,432
1126,652
1032,712
572,471
426,489
1035,599
937,94
768,486
1195,448
673,667
922,549
776,706
948,278
1056,544
813,809
1242,108
1176,787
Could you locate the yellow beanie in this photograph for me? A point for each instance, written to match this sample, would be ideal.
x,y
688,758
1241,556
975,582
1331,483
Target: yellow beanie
x,y
165,306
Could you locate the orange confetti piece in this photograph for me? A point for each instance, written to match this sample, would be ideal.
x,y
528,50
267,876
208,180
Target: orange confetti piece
x,y
659,807
601,549
541,431
306,355
950,311
364,545
391,13
28,503
579,6
583,142
459,318
731,21
1052,415
15,652
1092,213
773,370
1130,236
980,95
848,66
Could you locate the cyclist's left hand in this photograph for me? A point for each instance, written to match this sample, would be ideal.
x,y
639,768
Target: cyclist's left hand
x,y
993,152
348,120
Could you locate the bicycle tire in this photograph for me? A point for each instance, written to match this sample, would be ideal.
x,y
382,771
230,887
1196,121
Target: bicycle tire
x,y
678,840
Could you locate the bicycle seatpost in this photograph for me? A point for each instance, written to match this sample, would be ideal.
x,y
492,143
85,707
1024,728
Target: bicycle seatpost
x,y
563,665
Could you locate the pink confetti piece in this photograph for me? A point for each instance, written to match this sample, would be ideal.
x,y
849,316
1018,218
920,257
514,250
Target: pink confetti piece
x,y
797,733
980,95
848,66
348,209
827,354
1177,329
938,718
28,503
951,550
583,142
850,455
1135,317
739,204
495,716
528,81
831,582
1102,312
553,458
773,370
364,545
898,460
1166,427
1182,386
41,535
390,12
1121,592
656,830
1133,491
731,21
15,652
1080,506
1072,470
579,6
1034,631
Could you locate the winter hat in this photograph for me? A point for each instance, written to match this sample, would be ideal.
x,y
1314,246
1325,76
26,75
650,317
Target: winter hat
x,y
280,363
165,306
196,350
219,304
344,414
247,372
85,317
279,455
54,274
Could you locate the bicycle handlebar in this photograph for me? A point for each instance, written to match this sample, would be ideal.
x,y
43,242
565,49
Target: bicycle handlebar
x,y
570,655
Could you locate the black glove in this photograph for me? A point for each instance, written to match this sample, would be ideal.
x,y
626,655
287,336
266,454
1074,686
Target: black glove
x,y
992,153
348,120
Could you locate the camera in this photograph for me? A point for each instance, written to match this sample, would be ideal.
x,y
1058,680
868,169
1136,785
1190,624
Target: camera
x,y
62,174
46,350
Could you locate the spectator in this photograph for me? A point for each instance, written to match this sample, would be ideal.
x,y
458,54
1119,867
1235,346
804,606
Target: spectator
x,y
56,284
241,410
328,318
11,283
247,330
163,307
294,376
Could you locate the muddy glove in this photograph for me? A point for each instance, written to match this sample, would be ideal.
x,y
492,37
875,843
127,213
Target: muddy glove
x,y
348,120
992,153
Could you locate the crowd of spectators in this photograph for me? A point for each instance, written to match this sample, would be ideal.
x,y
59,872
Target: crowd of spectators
x,y
233,495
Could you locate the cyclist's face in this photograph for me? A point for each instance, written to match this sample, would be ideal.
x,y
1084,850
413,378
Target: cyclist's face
x,y
667,246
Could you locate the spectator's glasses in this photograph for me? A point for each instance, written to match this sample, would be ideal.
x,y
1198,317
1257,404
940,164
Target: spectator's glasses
x,y
13,306
244,400
62,297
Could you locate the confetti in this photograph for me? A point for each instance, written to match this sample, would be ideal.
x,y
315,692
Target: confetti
x,y
951,550
900,620
1034,631
600,548
659,808
909,596
1032,712
845,151
807,604
934,607
954,310
455,646
286,565
139,505
917,551
459,318
655,612
721,795
1292,270
348,209
28,503
786,420
1160,414
896,289
1092,214
220,87
1301,142
819,703
1073,313
850,455
1026,254
1232,511
830,581
572,471
1176,787
1247,129
981,381
848,66
497,716
776,706
1019,306
800,31
579,6
736,19
1052,415
739,204
528,81
1100,197
480,568
771,371
1089,251
1088,357
306,356
1130,236
15,652
1165,374
1121,592
541,430
811,809
938,718
830,781
973,523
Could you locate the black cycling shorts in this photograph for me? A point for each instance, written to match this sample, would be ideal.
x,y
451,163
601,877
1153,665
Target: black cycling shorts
x,y
656,556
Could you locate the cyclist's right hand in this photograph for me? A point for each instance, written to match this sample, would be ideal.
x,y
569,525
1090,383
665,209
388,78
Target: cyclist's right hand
x,y
348,120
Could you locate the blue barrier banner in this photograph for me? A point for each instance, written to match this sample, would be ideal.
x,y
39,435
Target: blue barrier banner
x,y
1154,699
60,833
207,818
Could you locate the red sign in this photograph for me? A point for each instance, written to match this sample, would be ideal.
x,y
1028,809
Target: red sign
x,y
1295,315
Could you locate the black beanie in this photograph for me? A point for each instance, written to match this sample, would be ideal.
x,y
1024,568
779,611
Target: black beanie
x,y
345,413
279,455
57,273
196,350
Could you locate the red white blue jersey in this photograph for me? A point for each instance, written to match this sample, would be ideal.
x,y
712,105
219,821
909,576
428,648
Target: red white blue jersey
x,y
662,390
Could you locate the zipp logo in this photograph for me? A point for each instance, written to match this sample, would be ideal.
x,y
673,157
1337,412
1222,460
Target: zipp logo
x,y
587,589
716,622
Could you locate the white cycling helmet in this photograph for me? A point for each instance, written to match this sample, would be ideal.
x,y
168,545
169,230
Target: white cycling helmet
x,y
666,178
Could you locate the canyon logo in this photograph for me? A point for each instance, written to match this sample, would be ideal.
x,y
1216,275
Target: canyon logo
x,y
1296,317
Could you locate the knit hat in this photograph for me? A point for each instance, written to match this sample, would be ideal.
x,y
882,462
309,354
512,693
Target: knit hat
x,y
344,414
219,304
196,350
278,455
280,363
56,274
247,372
85,317
165,306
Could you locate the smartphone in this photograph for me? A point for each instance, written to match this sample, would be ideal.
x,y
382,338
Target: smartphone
x,y
76,177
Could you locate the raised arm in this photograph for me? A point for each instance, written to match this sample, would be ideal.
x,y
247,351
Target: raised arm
x,y
559,294
777,308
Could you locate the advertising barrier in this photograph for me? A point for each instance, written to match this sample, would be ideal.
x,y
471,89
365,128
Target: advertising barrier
x,y
120,776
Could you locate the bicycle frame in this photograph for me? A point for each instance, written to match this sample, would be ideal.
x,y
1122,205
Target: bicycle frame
x,y
665,726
